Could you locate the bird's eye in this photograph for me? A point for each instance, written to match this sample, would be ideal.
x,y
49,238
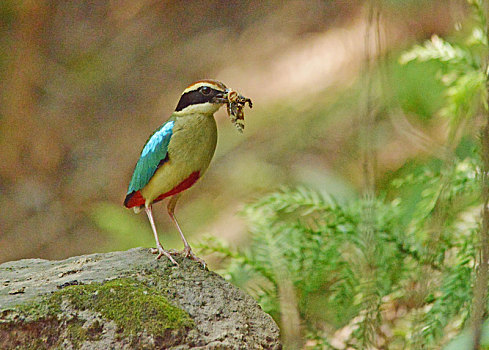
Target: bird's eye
x,y
205,90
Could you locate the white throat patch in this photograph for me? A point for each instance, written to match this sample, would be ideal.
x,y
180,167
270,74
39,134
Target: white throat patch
x,y
202,108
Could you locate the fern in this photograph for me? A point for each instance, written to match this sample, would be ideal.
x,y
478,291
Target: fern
x,y
349,262
455,294
465,81
318,243
439,50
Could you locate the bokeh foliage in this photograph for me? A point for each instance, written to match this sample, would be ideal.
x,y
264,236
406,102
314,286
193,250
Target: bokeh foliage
x,y
417,290
85,83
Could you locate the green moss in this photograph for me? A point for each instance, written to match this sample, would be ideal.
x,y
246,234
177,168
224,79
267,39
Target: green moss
x,y
76,333
42,308
131,304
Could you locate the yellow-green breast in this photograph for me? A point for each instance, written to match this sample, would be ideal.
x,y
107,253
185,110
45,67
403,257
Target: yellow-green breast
x,y
190,150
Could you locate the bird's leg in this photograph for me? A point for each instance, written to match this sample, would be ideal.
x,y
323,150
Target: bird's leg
x,y
187,251
159,248
171,210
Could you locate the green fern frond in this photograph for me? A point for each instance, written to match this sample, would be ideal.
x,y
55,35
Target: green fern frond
x,y
465,94
454,299
439,50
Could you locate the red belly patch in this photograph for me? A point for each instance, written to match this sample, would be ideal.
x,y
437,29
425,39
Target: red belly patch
x,y
134,199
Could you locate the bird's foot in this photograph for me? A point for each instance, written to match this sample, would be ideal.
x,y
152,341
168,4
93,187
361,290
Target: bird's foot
x,y
188,253
160,251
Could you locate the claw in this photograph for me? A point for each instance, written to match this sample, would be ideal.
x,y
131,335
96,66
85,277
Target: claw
x,y
160,251
188,253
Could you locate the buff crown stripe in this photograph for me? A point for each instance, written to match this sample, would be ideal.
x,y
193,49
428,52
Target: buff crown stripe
x,y
211,83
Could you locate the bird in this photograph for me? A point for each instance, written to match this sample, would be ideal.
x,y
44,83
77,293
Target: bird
x,y
176,155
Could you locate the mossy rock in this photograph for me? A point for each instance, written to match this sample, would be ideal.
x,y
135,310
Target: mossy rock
x,y
131,305
126,300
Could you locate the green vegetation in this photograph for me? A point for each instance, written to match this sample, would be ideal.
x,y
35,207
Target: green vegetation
x,y
133,306
319,244
391,266
396,270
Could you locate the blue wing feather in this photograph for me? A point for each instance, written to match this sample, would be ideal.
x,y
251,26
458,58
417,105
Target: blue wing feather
x,y
154,151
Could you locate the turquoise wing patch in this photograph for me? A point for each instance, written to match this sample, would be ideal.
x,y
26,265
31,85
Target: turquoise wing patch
x,y
154,152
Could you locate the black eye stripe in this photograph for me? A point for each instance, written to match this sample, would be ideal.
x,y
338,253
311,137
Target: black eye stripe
x,y
196,97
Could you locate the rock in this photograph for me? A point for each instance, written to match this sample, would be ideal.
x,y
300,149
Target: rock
x,y
126,300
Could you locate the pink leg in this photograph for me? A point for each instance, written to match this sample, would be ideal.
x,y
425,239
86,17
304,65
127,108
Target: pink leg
x,y
159,248
187,251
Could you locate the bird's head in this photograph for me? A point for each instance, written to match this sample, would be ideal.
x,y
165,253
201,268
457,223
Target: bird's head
x,y
203,96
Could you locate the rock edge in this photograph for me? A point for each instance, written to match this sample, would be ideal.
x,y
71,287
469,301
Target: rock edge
x,y
58,304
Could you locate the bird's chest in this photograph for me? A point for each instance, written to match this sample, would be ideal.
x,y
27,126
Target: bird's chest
x,y
193,142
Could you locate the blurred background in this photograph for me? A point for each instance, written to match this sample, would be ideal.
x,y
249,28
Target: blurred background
x,y
84,83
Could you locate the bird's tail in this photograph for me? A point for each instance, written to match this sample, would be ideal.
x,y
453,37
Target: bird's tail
x,y
134,199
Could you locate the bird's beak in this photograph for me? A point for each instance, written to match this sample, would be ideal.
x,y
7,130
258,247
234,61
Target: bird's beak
x,y
221,97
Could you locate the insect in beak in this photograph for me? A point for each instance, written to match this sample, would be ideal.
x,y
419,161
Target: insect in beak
x,y
235,105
